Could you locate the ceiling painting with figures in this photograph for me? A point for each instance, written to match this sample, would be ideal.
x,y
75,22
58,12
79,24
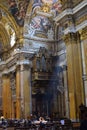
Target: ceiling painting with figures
x,y
42,14
52,6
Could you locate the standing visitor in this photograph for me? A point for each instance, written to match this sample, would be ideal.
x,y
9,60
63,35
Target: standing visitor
x,y
83,125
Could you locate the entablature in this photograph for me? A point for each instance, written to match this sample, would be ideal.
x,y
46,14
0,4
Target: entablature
x,y
18,58
73,20
70,11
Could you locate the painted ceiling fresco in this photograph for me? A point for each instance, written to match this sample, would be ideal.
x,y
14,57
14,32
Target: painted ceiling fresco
x,y
18,8
39,24
52,6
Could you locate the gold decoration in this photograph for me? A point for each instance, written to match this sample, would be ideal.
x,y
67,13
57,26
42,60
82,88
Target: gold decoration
x,y
46,8
81,19
83,33
0,15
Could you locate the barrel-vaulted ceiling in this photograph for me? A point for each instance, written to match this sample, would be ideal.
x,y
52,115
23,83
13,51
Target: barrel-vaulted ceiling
x,y
14,13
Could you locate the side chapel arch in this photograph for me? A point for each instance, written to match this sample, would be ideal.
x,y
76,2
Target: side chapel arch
x,y
5,33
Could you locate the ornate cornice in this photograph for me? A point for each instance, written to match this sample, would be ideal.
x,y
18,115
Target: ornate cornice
x,y
74,29
16,59
79,6
81,25
8,71
81,19
63,14
70,11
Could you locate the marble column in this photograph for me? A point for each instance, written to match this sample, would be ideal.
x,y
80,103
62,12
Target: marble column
x,y
23,90
74,71
26,75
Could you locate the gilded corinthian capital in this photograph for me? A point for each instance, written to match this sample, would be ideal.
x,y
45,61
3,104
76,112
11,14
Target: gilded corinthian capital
x,y
83,33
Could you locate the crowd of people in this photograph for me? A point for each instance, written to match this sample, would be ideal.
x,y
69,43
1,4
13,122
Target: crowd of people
x,y
35,120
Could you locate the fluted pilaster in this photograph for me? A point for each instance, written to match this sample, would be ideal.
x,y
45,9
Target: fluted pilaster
x,y
6,96
74,71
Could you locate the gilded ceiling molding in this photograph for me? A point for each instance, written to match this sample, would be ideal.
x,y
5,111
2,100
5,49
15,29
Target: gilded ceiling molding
x,y
9,26
10,19
5,38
